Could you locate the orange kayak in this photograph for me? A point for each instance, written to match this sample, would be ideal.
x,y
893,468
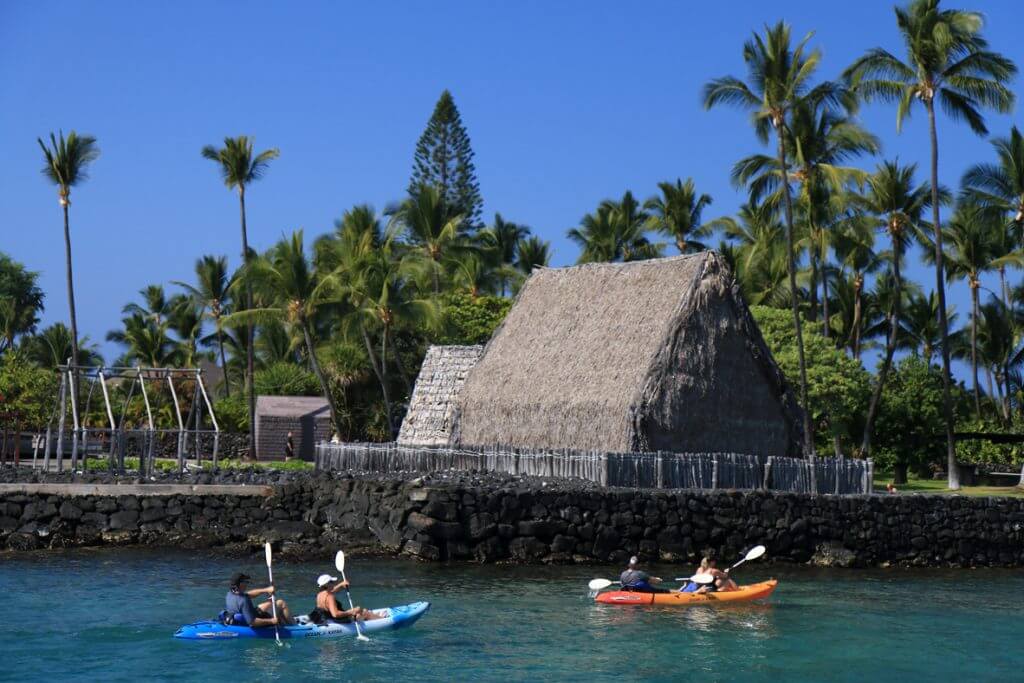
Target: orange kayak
x,y
754,591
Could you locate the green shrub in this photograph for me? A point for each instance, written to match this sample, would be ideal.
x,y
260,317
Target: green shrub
x,y
838,387
983,451
469,320
232,413
286,379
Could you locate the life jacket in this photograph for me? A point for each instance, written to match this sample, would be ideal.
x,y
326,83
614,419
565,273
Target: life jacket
x,y
236,619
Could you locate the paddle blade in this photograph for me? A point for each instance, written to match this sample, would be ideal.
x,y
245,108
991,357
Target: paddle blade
x,y
599,584
339,561
755,552
268,553
702,579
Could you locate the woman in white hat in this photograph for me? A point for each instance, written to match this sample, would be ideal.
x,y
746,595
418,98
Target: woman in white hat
x,y
327,606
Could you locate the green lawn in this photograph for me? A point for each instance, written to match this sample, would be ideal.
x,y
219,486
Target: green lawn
x,y
915,485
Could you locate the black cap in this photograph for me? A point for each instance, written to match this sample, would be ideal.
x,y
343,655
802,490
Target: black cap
x,y
239,577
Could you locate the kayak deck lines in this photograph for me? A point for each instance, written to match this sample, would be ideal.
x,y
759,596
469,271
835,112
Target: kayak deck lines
x,y
397,617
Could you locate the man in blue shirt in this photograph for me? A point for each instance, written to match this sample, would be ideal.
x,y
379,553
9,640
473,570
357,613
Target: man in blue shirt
x,y
239,602
634,579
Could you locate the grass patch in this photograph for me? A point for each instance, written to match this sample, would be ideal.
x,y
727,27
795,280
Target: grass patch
x,y
915,485
292,466
171,465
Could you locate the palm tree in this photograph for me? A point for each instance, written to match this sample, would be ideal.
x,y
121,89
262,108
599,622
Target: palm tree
x,y
378,286
972,251
476,277
921,325
820,140
21,301
52,347
760,263
997,339
946,60
615,232
211,294
532,253
294,292
66,162
145,341
154,304
502,239
185,318
779,81
677,214
239,166
1000,187
439,238
854,244
893,204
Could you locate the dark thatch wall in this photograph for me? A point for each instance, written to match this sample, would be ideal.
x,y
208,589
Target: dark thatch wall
x,y
713,386
658,354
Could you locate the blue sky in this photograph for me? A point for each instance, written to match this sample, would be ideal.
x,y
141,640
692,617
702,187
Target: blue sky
x,y
566,103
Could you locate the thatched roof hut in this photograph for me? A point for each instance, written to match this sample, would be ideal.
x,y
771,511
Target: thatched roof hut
x,y
650,355
428,422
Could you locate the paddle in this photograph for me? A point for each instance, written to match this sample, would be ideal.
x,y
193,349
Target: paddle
x,y
752,554
600,584
339,562
702,579
273,596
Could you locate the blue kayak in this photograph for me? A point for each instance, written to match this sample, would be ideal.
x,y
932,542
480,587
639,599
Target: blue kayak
x,y
396,617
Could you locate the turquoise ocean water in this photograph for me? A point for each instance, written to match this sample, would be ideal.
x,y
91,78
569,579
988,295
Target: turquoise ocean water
x,y
106,615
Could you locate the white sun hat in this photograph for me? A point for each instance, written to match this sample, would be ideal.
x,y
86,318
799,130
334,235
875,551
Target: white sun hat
x,y
325,579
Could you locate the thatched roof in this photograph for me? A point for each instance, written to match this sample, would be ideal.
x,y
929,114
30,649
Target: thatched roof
x,y
428,422
649,355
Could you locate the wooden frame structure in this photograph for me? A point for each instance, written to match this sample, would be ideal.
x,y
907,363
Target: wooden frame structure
x,y
112,439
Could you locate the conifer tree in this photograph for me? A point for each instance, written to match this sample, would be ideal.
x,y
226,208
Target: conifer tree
x,y
444,159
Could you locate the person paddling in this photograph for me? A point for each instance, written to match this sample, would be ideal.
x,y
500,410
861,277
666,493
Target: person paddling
x,y
239,607
327,605
638,581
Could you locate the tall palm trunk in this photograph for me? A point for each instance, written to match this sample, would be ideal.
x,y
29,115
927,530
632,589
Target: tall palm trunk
x,y
381,373
940,288
858,285
890,349
791,259
400,365
974,344
223,361
250,359
71,286
1003,288
812,307
318,371
824,288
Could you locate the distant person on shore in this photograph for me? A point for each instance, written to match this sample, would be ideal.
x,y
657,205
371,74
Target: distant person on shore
x,y
327,606
289,448
636,580
239,607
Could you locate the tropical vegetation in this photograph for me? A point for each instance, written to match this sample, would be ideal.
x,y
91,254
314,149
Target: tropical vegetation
x,y
819,249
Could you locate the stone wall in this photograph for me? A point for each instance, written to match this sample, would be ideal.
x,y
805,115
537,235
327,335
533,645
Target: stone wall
x,y
498,520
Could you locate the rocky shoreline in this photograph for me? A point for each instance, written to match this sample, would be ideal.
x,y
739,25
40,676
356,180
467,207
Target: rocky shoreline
x,y
486,517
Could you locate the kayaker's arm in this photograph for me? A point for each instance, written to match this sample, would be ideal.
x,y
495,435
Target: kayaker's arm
x,y
341,585
257,592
